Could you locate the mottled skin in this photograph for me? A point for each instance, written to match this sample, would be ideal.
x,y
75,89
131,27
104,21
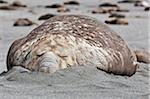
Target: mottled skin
x,y
72,40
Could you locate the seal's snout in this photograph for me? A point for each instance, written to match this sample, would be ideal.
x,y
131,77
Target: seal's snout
x,y
48,63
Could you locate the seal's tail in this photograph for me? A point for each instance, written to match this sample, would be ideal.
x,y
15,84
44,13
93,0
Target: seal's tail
x,y
142,56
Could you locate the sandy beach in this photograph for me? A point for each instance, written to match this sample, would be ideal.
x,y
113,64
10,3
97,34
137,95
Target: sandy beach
x,y
78,82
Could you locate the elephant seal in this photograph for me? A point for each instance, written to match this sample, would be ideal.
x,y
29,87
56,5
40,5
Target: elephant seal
x,y
72,40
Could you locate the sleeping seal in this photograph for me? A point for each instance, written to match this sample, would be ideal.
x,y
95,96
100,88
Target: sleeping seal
x,y
72,40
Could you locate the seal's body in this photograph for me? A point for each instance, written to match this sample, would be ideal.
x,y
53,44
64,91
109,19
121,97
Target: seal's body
x,y
72,40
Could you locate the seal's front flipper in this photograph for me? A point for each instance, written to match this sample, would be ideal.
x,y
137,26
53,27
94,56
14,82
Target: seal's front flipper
x,y
48,63
14,70
142,56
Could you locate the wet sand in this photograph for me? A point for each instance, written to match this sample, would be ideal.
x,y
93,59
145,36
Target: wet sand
x,y
73,83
